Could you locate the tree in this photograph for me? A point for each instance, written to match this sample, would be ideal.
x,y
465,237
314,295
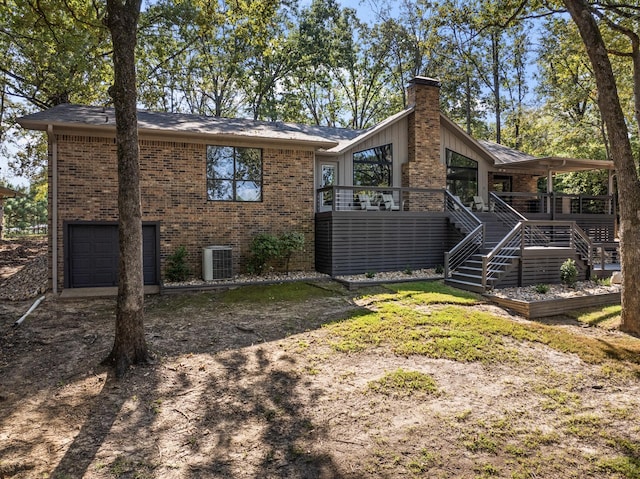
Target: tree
x,y
583,14
52,52
129,346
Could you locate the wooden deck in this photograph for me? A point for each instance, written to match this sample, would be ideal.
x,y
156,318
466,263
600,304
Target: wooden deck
x,y
426,225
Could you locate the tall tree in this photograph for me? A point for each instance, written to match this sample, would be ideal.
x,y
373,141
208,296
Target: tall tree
x,y
583,14
129,346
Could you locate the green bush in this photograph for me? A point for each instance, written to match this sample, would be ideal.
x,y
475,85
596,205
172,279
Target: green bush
x,y
177,268
264,248
542,288
267,248
569,273
289,244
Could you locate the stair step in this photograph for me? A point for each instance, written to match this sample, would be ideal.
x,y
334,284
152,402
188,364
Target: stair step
x,y
465,285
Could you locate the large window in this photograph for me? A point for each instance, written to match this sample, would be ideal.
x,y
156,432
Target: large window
x,y
234,174
462,176
373,167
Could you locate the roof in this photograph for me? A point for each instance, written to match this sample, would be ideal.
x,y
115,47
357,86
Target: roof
x,y
8,193
99,118
509,158
328,140
503,154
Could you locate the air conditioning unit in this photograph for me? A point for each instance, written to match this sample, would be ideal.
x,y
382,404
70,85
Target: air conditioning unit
x,y
217,263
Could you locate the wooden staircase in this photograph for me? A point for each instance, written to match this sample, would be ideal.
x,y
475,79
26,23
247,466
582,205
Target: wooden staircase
x,y
469,275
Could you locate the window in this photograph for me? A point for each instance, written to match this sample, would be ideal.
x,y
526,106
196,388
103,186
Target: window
x,y
462,176
234,174
328,179
373,167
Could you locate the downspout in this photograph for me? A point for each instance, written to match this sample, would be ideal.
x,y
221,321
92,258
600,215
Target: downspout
x,y
54,208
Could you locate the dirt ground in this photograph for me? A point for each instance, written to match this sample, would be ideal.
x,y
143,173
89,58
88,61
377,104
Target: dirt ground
x,y
14,255
256,391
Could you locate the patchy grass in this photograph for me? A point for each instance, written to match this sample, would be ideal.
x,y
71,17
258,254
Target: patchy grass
x,y
428,292
294,291
464,334
404,383
607,317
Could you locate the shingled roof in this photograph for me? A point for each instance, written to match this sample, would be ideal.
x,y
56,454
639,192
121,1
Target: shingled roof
x,y
69,115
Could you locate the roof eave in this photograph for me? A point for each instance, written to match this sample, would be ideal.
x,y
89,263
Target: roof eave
x,y
315,143
333,151
559,164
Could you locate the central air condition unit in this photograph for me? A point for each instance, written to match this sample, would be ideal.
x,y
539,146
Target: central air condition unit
x,y
217,263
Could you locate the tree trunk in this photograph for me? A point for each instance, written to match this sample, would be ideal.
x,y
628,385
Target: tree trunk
x,y
129,345
622,156
495,66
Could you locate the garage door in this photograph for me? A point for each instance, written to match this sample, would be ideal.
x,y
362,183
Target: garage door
x,y
92,255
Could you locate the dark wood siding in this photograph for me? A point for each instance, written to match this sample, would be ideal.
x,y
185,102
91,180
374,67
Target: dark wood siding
x,y
542,266
356,242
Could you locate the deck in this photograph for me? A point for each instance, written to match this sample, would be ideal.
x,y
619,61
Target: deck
x,y
395,229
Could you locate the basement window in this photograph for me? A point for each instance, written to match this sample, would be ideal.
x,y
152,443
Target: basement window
x,y
234,173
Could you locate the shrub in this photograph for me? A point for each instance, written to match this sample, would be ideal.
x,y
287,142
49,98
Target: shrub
x,y
266,248
177,268
289,243
569,273
439,269
542,288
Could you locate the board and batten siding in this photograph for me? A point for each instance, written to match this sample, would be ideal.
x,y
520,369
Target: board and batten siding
x,y
395,135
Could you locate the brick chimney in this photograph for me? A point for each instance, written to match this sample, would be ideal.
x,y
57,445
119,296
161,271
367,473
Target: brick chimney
x,y
425,168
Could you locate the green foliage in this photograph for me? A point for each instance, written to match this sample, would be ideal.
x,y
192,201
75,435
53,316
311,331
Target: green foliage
x,y
370,274
542,288
25,214
177,269
569,273
289,243
439,269
264,248
267,248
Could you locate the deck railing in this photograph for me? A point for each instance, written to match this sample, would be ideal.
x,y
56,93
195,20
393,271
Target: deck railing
x,y
606,254
532,234
369,198
559,203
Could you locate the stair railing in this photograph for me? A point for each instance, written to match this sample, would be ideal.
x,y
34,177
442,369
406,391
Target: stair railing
x,y
500,256
466,248
504,211
459,213
511,217
582,243
469,224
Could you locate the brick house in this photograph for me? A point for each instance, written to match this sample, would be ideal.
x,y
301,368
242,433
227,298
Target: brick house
x,y
214,181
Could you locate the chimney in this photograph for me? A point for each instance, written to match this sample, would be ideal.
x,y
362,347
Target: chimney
x,y
425,168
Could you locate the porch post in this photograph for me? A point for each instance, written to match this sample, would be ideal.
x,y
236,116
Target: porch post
x,y
549,192
610,190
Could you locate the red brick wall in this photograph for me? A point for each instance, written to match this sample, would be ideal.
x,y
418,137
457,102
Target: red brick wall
x,y
174,193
